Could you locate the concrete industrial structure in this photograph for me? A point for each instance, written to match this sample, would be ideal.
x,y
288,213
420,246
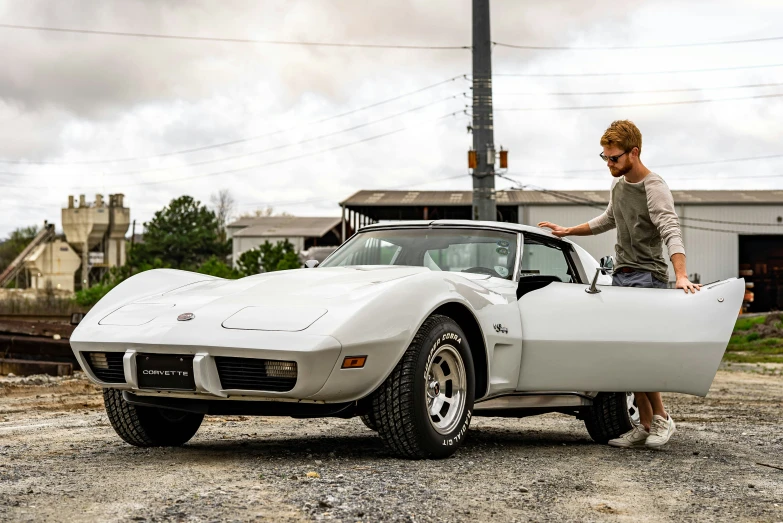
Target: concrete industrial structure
x,y
303,232
726,233
97,232
52,264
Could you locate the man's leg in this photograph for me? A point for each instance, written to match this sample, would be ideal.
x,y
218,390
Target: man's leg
x,y
662,424
655,400
645,408
637,436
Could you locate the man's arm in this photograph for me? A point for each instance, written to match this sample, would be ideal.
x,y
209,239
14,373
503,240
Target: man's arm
x,y
604,222
557,230
661,206
681,273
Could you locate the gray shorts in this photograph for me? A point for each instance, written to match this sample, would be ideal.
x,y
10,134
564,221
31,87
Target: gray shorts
x,y
637,279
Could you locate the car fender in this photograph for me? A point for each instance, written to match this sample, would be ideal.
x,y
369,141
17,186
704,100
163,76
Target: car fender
x,y
384,327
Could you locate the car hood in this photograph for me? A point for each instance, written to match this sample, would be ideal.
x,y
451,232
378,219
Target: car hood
x,y
285,300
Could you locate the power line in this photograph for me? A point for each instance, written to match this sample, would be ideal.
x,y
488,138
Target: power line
x,y
650,104
273,148
590,203
680,164
648,91
240,169
231,40
666,165
640,73
728,222
321,199
240,140
578,199
629,47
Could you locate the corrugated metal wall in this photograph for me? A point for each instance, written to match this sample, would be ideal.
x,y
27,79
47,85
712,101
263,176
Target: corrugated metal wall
x,y
714,255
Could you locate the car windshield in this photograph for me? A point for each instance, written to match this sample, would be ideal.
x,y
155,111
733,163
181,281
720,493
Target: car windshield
x,y
462,250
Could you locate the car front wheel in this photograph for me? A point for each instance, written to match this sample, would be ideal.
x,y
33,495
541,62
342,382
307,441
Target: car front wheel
x,y
149,426
424,407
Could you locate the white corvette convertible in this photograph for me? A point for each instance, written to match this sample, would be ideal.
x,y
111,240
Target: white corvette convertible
x,y
416,327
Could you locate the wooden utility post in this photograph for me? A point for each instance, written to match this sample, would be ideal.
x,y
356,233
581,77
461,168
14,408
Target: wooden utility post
x,y
484,207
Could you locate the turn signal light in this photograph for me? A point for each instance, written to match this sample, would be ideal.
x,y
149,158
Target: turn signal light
x,y
354,362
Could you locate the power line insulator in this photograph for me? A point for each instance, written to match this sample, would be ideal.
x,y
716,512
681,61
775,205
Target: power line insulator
x,y
472,160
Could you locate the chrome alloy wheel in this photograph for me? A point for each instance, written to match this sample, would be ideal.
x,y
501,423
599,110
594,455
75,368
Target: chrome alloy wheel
x,y
445,388
633,410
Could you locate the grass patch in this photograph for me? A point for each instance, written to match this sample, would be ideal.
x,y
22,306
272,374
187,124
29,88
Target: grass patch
x,y
752,358
752,347
744,324
767,345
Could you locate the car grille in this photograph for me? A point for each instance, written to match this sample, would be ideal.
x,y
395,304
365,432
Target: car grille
x,y
254,374
107,366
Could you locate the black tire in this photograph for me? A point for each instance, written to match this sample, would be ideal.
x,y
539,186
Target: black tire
x,y
400,405
149,426
369,421
609,416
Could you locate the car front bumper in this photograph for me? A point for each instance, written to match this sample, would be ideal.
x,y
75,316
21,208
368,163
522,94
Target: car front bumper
x,y
315,357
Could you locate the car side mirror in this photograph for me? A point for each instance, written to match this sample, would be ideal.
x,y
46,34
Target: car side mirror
x,y
607,264
606,267
76,318
312,264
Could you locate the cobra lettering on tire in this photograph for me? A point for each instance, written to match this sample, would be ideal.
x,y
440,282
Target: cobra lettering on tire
x,y
424,407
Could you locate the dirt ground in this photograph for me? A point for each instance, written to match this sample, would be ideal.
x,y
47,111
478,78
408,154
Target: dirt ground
x,y
61,461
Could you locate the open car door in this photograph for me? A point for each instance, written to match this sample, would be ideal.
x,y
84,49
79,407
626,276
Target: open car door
x,y
625,339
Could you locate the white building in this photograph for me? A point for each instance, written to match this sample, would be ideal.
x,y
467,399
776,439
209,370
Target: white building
x,y
303,232
726,233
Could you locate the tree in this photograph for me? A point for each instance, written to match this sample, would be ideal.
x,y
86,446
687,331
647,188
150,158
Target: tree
x,y
278,256
15,244
223,204
182,236
263,213
214,267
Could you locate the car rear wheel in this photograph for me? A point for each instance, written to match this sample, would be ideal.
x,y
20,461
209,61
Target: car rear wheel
x,y
423,409
149,426
612,414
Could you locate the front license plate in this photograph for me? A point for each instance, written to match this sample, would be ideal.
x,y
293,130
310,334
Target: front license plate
x,y
165,371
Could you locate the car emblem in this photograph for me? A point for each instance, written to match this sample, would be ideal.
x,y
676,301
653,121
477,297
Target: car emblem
x,y
500,328
186,316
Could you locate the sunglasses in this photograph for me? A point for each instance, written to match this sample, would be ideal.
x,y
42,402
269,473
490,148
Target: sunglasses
x,y
612,158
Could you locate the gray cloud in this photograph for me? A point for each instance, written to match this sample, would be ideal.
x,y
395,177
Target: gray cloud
x,y
67,97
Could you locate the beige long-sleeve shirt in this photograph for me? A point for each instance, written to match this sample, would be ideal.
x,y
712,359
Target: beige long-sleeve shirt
x,y
644,216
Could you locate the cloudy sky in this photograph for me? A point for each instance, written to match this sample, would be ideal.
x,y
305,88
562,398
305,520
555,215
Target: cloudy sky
x,y
158,118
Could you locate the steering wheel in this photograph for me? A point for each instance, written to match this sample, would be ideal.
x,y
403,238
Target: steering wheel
x,y
482,270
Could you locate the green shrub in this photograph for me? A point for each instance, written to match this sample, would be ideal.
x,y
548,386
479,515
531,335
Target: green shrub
x,y
744,324
753,336
91,296
215,267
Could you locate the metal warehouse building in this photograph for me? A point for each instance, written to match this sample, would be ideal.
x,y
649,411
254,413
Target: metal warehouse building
x,y
726,233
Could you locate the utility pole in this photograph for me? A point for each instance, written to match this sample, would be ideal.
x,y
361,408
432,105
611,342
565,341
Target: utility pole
x,y
484,207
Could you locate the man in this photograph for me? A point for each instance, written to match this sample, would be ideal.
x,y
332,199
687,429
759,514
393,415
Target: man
x,y
641,208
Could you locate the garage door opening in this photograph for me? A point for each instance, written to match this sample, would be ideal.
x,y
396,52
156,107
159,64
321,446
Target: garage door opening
x,y
761,262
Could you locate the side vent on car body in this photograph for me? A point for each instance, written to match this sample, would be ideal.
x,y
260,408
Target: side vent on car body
x,y
107,366
255,374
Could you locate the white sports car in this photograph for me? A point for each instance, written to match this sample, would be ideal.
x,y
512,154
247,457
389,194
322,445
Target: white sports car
x,y
416,327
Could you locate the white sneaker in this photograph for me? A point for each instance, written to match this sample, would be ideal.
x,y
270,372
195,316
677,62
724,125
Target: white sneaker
x,y
635,437
660,431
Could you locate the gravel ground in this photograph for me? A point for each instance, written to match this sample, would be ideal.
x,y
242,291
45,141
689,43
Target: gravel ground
x,y
61,461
